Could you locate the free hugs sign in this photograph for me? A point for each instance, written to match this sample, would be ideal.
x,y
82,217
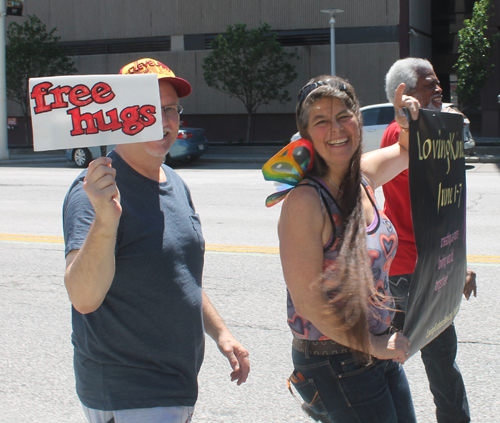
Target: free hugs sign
x,y
92,110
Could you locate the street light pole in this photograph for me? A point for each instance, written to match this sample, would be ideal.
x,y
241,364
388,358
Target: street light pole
x,y
332,13
4,143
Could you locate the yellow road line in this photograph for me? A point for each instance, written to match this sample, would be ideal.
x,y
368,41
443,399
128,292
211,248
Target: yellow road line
x,y
483,259
32,238
209,247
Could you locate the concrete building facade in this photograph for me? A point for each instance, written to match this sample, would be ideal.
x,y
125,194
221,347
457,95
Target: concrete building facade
x,y
102,36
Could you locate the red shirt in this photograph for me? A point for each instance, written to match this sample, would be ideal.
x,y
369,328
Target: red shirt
x,y
398,209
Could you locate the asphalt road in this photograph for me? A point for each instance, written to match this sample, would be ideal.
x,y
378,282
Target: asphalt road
x,y
244,281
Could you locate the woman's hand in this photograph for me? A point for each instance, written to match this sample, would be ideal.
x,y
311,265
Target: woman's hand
x,y
390,347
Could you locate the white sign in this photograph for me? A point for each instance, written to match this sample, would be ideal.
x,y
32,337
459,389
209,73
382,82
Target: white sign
x,y
93,110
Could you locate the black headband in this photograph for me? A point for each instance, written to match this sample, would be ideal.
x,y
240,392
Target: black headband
x,y
305,91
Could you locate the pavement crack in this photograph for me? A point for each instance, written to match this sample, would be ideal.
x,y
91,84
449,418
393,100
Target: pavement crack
x,y
474,203
259,327
479,343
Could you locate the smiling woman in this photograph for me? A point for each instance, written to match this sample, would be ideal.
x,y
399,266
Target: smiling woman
x,y
334,132
336,247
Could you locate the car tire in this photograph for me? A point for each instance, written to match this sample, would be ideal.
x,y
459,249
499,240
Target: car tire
x,y
82,157
189,159
168,160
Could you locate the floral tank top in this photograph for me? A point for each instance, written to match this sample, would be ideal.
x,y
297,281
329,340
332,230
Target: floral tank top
x,y
381,242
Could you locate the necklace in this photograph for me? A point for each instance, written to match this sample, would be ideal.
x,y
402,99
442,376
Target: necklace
x,y
334,184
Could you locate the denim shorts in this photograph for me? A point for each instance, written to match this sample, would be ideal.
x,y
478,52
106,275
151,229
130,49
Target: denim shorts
x,y
143,415
348,390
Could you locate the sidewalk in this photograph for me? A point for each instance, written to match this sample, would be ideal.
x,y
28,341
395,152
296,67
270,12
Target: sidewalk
x,y
22,156
221,154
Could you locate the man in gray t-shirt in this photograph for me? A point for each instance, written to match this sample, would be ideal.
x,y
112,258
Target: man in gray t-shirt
x,y
134,262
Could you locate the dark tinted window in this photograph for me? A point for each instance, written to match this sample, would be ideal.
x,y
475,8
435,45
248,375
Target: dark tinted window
x,y
386,115
370,116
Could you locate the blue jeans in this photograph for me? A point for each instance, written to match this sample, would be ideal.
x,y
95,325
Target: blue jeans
x,y
349,391
445,379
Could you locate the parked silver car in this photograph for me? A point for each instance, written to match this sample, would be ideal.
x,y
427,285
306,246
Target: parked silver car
x,y
377,117
190,144
84,155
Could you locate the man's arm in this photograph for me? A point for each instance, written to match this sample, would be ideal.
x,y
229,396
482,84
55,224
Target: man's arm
x,y
90,270
228,345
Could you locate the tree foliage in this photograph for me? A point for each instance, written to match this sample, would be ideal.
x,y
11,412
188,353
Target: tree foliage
x,y
32,52
475,50
251,65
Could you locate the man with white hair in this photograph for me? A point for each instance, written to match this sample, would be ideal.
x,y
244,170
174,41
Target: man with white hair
x,y
445,380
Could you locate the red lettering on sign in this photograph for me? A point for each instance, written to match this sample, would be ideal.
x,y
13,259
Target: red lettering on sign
x,y
133,120
102,93
132,123
114,125
77,96
78,120
147,115
59,102
38,93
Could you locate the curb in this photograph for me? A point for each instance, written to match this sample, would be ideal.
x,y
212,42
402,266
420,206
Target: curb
x,y
232,156
482,159
33,160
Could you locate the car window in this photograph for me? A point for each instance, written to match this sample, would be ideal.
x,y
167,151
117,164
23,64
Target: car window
x,y
370,116
386,115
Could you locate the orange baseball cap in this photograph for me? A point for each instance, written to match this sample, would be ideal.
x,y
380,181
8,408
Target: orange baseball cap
x,y
181,86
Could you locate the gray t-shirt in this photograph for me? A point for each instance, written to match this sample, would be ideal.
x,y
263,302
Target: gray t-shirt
x,y
143,347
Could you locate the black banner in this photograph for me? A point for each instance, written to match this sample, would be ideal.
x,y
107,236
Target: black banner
x,y
437,193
